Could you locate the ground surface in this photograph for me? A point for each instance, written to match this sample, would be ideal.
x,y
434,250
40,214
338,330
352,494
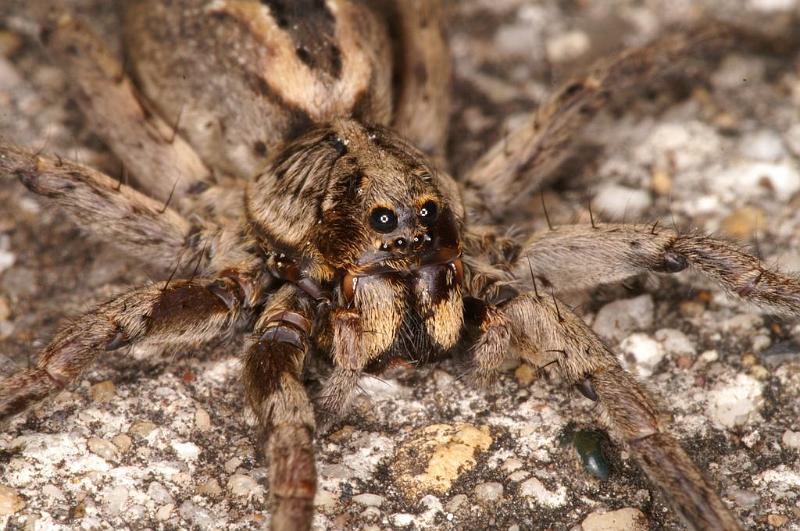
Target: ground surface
x,y
161,442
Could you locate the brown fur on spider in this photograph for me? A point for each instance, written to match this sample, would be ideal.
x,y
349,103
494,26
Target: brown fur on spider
x,y
350,245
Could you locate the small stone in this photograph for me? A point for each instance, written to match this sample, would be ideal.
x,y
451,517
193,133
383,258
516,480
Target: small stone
x,y
164,512
185,450
5,309
733,402
743,222
759,372
210,488
780,353
777,520
619,202
791,439
763,145
567,46
525,374
51,491
533,488
10,43
243,485
402,519
661,183
489,492
748,360
142,428
115,499
645,353
617,320
103,448
325,500
198,516
10,501
684,362
709,356
627,519
772,6
122,442
691,308
511,465
202,421
232,464
456,502
7,260
434,456
159,493
370,500
103,391
751,180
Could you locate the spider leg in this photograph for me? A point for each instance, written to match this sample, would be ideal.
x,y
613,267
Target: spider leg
x,y
578,256
178,313
423,104
543,331
162,162
522,161
272,374
116,213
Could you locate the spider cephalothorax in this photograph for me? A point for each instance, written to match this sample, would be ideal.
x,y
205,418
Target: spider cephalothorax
x,y
301,198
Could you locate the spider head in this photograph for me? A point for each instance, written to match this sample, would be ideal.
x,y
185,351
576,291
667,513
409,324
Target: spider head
x,y
355,198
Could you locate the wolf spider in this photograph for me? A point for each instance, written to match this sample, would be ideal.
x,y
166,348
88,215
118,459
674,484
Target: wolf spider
x,y
329,233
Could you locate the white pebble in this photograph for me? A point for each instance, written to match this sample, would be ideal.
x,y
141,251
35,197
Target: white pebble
x,y
733,402
675,342
567,46
115,499
370,500
748,179
489,492
7,260
186,450
644,351
771,6
243,485
763,145
791,439
533,488
616,320
620,202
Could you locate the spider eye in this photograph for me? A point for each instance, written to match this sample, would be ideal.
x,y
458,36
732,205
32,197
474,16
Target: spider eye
x,y
383,220
427,214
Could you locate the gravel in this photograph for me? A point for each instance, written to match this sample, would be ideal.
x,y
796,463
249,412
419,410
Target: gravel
x,y
151,440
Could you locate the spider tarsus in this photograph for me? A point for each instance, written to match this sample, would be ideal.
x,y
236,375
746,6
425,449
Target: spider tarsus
x,y
672,262
586,389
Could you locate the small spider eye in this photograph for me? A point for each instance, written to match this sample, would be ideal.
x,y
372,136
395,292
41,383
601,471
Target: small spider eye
x,y
427,213
383,220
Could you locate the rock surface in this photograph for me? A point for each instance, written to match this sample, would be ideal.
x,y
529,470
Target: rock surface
x,y
717,153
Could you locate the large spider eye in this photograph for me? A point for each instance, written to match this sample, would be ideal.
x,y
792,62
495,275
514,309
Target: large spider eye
x,y
427,214
383,220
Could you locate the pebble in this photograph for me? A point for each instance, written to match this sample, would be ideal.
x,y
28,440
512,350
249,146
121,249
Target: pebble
x,y
210,488
10,501
525,374
456,502
645,352
198,516
202,420
402,519
746,180
122,442
164,512
185,450
5,309
103,448
771,6
103,391
791,439
244,485
780,353
115,499
51,491
616,320
763,145
619,202
661,183
743,223
777,520
491,491
159,493
627,519
567,46
370,500
142,428
7,260
733,402
434,456
511,465
533,488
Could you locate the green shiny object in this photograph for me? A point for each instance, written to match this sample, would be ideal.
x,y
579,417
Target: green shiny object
x,y
587,443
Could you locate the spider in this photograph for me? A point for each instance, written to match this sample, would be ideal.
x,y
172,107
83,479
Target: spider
x,y
303,201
